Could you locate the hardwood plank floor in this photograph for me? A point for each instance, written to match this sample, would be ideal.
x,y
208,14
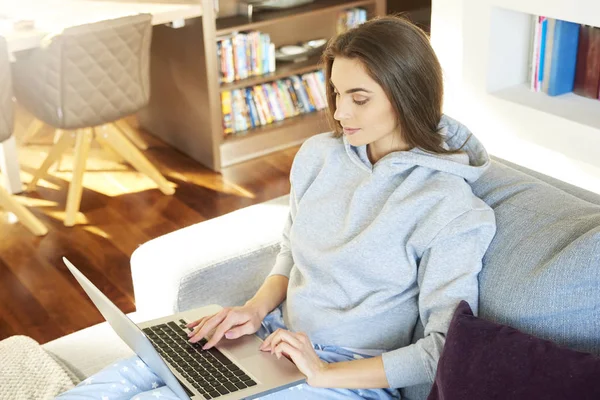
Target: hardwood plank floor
x,y
120,210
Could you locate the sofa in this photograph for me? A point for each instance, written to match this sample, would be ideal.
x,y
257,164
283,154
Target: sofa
x,y
541,273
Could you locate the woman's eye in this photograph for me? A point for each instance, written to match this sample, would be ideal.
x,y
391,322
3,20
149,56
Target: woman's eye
x,y
360,102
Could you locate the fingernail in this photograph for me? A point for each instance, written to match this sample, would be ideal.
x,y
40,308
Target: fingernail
x,y
228,335
205,347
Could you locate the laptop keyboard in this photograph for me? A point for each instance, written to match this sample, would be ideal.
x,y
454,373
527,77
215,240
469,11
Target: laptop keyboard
x,y
208,371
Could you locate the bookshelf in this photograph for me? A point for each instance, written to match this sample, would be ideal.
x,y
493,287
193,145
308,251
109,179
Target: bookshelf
x,y
185,105
283,70
484,49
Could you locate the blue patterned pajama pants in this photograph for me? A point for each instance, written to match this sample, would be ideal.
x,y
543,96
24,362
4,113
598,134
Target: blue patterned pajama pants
x,y
131,379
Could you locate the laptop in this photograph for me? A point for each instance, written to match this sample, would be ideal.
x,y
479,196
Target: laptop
x,y
233,369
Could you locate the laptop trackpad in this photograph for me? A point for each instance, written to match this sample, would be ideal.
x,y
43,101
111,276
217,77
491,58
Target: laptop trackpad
x,y
241,348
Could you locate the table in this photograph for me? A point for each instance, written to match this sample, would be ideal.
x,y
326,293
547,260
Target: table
x,y
52,16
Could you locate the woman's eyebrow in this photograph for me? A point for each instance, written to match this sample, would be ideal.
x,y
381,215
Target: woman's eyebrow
x,y
353,90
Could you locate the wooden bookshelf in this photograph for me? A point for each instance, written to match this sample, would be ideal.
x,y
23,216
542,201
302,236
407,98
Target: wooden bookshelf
x,y
259,141
262,18
185,104
283,69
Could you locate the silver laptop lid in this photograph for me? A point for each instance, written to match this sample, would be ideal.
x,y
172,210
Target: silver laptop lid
x,y
128,332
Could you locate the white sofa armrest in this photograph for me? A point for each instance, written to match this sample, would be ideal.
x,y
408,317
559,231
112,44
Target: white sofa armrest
x,y
220,261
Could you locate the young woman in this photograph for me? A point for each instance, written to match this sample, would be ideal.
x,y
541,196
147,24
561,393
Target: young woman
x,y
383,231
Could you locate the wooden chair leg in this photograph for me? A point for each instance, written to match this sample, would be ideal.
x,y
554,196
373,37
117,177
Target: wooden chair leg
x,y
23,214
82,148
132,134
57,135
99,136
32,130
55,152
133,156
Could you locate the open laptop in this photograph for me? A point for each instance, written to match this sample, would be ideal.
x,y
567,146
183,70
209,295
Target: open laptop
x,y
234,369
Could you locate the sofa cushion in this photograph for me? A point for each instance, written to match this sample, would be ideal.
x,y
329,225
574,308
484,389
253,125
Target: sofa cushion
x,y
87,351
541,273
485,360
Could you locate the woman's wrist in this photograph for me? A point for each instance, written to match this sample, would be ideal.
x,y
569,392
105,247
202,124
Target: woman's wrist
x,y
258,307
321,376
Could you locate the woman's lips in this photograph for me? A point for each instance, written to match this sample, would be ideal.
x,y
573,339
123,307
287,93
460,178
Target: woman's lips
x,y
350,131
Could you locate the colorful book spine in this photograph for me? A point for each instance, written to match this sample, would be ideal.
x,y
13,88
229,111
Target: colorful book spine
x,y
315,93
259,110
542,54
294,96
564,58
238,109
301,90
227,113
262,103
254,120
587,68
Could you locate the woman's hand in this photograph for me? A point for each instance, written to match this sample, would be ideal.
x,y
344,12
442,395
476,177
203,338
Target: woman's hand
x,y
231,322
298,348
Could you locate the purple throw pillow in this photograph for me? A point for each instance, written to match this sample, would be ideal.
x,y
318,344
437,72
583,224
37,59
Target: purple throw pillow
x,y
485,360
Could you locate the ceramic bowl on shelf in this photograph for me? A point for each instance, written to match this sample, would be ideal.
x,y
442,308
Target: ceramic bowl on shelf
x,y
300,52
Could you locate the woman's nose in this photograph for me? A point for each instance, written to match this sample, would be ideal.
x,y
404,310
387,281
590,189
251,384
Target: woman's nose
x,y
341,112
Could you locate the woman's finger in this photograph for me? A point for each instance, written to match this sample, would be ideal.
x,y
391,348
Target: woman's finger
x,y
195,323
239,331
229,322
208,326
286,349
267,343
288,337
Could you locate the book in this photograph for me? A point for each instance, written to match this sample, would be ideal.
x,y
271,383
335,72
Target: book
x,y
301,93
227,113
259,110
587,67
546,61
542,52
262,103
563,58
294,96
252,112
273,102
315,91
280,101
239,121
311,99
287,99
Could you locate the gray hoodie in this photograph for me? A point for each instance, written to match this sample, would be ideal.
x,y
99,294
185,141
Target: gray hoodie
x,y
369,249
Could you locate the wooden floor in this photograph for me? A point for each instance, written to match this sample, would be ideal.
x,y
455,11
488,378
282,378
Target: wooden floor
x,y
121,209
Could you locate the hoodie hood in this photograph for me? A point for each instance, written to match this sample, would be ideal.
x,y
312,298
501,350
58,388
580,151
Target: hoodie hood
x,y
470,163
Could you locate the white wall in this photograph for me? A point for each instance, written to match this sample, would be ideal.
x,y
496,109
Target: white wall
x,y
484,49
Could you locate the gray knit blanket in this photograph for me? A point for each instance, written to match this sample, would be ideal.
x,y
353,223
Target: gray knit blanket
x,y
28,372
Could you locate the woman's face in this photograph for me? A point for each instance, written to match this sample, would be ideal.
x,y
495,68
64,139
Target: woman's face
x,y
363,109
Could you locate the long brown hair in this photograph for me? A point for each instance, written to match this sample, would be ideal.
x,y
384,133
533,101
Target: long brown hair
x,y
398,56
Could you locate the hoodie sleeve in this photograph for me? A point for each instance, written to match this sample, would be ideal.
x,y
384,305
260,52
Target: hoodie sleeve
x,y
284,261
447,273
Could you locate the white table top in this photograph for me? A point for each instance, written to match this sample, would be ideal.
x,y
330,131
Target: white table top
x,y
52,16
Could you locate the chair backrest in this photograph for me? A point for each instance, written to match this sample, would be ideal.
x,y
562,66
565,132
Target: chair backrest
x,y
88,75
6,94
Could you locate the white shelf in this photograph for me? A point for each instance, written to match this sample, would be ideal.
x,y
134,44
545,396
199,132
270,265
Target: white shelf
x,y
484,47
570,106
